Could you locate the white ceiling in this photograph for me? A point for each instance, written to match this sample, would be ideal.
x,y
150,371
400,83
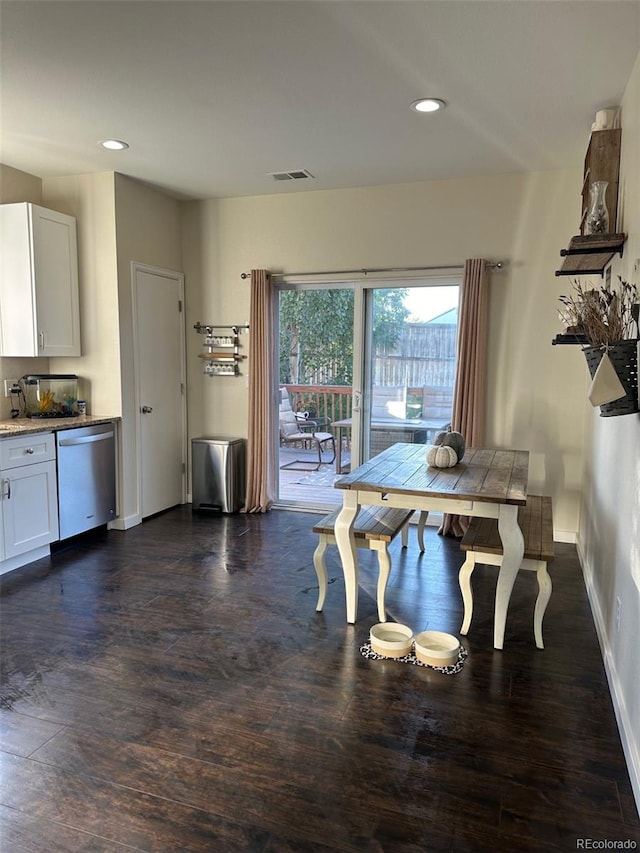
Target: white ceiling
x,y
213,96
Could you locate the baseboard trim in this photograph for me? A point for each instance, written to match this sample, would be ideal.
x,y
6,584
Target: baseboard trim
x,y
568,536
630,745
23,559
125,523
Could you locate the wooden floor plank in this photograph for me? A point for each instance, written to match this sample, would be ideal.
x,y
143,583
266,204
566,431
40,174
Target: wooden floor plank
x,y
173,688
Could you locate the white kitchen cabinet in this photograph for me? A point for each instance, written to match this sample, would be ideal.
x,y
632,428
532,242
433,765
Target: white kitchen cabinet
x,y
39,308
29,506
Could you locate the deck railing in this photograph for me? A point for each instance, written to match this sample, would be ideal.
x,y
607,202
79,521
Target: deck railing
x,y
331,401
321,401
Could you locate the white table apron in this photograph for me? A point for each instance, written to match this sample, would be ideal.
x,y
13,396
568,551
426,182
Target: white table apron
x,y
510,534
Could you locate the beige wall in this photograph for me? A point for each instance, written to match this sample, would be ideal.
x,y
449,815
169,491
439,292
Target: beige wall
x,y
16,186
19,186
90,198
609,536
148,230
534,389
200,251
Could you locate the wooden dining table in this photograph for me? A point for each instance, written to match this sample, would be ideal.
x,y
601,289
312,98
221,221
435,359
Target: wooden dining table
x,y
486,482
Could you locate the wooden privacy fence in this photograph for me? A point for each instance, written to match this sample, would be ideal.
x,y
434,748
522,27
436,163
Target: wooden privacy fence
x,y
424,354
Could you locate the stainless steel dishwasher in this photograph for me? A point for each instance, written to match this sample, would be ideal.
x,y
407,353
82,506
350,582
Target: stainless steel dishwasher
x,y
86,478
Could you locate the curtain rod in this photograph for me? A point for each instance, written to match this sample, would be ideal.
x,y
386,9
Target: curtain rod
x,y
497,265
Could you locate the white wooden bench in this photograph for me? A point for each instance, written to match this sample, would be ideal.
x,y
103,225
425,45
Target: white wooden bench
x,y
482,544
374,528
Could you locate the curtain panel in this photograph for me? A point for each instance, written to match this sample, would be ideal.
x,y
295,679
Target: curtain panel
x,y
260,467
469,394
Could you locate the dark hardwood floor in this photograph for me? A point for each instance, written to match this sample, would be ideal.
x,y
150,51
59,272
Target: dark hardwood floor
x,y
172,688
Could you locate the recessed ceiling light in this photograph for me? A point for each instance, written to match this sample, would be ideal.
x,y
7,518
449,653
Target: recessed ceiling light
x,y
428,105
114,144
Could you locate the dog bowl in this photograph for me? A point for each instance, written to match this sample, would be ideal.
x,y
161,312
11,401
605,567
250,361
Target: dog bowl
x,y
436,648
391,639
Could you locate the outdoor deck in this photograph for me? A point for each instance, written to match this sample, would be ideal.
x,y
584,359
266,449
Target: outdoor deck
x,y
309,487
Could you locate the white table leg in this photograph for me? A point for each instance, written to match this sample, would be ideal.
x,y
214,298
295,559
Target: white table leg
x,y
343,532
420,531
512,554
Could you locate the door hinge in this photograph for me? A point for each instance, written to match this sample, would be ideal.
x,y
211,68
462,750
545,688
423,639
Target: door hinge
x,y
180,306
184,468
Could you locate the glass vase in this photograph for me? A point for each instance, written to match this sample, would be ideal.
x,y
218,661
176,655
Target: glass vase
x,y
597,219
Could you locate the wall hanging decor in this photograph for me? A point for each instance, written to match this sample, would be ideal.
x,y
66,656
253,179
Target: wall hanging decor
x,y
222,344
623,358
605,319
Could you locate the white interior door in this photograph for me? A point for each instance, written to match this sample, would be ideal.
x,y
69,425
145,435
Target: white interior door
x,y
160,387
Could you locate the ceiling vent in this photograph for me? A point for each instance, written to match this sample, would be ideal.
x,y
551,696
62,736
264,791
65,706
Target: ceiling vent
x,y
293,175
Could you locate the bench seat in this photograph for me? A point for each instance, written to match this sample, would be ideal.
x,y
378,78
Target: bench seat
x,y
483,545
374,528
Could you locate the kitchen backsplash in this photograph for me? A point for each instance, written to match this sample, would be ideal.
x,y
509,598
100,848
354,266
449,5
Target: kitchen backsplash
x,y
14,368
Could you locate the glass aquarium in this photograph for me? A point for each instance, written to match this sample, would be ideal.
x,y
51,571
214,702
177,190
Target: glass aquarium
x,y
48,395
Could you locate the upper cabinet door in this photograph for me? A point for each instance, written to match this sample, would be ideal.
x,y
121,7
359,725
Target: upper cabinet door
x,y
39,310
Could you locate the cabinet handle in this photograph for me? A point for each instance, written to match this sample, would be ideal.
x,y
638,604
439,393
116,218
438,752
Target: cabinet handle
x,y
7,482
41,336
29,450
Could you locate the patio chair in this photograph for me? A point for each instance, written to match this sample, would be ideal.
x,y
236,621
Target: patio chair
x,y
302,432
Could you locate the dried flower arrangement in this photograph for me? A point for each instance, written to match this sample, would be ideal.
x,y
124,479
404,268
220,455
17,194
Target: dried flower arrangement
x,y
603,315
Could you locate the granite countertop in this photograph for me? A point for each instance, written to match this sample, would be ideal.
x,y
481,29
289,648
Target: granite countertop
x,y
25,426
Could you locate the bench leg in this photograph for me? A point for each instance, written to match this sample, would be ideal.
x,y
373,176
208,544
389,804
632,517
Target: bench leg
x,y
384,570
321,570
464,579
544,594
420,530
424,515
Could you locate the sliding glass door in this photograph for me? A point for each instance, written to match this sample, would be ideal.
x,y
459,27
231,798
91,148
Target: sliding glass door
x,y
361,365
315,371
411,336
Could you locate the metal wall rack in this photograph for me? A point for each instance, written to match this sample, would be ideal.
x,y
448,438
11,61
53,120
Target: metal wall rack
x,y
222,356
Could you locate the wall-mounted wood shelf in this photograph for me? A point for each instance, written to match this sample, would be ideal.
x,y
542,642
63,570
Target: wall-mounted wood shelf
x,y
570,340
590,255
602,163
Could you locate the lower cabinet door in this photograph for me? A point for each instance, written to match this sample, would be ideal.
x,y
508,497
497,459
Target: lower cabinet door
x,y
29,507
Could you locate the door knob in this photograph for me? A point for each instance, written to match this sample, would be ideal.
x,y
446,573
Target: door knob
x,y
146,409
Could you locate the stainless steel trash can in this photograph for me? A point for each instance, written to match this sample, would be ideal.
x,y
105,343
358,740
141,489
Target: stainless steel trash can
x,y
218,477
